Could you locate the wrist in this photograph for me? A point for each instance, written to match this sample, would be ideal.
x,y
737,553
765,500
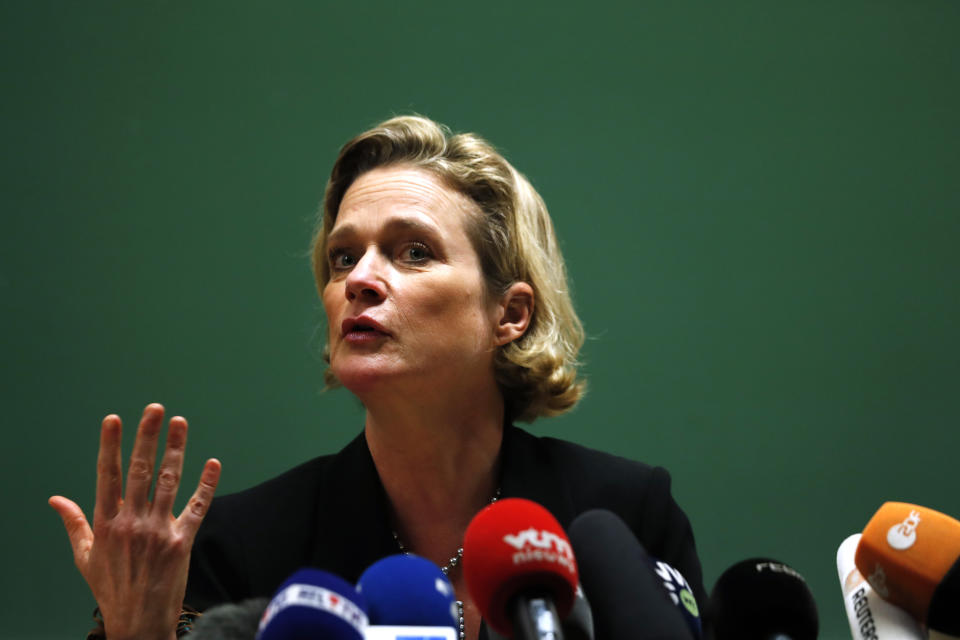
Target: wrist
x,y
183,626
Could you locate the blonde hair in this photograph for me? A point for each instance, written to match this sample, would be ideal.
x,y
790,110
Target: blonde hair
x,y
513,237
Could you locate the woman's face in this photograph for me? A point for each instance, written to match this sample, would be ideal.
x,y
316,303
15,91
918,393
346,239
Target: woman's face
x,y
406,297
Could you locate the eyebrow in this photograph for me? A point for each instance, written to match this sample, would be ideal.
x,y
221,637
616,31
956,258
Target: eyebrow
x,y
393,225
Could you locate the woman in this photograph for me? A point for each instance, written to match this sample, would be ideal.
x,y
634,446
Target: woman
x,y
449,318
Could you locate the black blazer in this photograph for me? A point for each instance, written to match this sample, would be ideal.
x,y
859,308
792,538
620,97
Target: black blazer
x,y
332,513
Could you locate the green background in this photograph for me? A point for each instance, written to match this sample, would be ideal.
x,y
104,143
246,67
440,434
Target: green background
x,y
758,202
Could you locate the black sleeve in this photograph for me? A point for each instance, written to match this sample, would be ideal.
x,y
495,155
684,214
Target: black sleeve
x,y
251,541
217,564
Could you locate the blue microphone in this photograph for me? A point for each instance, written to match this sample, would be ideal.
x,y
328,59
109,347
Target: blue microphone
x,y
407,590
314,604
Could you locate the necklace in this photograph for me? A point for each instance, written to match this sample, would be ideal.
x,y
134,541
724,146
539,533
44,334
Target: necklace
x,y
447,568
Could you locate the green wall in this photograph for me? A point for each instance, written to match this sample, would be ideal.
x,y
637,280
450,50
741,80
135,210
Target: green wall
x,y
758,202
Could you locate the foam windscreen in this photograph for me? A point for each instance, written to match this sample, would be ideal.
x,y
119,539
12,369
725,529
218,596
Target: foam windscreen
x,y
515,547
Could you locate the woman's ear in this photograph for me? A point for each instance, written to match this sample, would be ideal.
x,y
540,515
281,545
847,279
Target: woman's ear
x,y
515,311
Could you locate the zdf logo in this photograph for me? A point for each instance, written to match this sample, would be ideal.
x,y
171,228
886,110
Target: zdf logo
x,y
902,535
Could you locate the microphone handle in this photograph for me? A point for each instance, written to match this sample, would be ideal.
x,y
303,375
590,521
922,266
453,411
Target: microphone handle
x,y
534,617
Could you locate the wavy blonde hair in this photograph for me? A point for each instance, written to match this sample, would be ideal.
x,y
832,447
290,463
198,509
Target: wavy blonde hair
x,y
513,237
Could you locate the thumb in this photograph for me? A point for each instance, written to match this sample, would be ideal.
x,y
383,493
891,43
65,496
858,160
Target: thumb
x,y
78,529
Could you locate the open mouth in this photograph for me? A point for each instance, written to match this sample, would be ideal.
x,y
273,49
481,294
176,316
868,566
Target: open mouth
x,y
362,328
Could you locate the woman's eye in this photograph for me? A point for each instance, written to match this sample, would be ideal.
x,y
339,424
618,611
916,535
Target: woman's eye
x,y
416,252
341,260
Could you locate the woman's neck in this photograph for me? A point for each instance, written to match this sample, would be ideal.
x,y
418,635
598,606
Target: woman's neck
x,y
438,462
438,465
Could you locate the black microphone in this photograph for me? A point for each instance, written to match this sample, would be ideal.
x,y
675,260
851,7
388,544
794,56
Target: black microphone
x,y
761,599
680,593
230,621
627,599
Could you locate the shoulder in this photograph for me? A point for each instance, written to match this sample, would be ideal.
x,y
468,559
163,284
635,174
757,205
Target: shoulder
x,y
285,492
251,540
570,479
241,529
602,466
590,478
292,493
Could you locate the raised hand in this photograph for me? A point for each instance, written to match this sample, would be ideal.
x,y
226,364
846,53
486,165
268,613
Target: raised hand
x,y
136,555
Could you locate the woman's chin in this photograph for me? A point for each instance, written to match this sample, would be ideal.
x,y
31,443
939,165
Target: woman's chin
x,y
361,380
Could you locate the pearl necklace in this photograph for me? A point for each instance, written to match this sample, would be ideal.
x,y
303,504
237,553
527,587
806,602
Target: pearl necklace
x,y
447,568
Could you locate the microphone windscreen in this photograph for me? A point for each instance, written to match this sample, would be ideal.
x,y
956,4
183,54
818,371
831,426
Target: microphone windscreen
x,y
625,596
906,552
870,616
408,590
314,604
761,598
230,621
514,547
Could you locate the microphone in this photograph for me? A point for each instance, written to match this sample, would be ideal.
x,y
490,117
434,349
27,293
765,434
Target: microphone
x,y
627,598
314,604
870,616
394,632
230,621
408,590
520,569
763,599
680,593
578,625
910,555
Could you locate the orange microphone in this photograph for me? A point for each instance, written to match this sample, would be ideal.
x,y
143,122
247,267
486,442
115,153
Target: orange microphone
x,y
910,555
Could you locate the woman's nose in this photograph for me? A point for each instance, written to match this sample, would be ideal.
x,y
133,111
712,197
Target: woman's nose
x,y
366,278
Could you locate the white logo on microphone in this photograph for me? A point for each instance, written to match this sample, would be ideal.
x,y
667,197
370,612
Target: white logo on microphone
x,y
902,536
678,587
541,546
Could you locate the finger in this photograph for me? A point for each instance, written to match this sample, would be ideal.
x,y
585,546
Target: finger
x,y
109,472
171,467
140,473
78,529
192,515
